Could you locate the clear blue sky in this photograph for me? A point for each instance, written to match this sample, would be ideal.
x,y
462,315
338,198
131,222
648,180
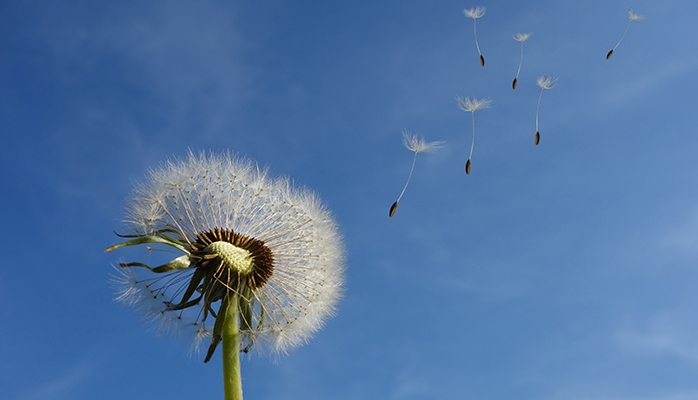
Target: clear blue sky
x,y
566,270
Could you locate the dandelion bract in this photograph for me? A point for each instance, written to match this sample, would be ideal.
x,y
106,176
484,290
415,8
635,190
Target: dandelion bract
x,y
472,105
416,145
475,13
631,17
258,260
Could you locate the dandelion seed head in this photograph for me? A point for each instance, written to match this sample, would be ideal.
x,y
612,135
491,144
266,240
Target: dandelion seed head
x,y
417,145
634,17
522,37
475,12
547,82
473,104
219,209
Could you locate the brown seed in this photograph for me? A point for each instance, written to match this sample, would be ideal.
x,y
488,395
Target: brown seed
x,y
516,81
537,139
467,167
482,60
610,53
393,208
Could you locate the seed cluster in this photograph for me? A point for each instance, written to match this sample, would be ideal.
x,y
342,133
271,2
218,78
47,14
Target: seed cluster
x,y
263,259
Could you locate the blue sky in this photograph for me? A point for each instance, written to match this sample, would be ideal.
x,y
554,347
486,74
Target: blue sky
x,y
560,271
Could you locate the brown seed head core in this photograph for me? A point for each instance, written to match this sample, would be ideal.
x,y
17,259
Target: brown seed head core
x,y
263,259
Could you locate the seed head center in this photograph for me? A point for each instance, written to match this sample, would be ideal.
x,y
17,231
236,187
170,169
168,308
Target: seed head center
x,y
233,257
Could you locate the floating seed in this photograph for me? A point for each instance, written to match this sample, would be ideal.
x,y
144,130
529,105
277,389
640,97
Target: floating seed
x,y
467,167
482,60
537,138
393,208
631,17
513,85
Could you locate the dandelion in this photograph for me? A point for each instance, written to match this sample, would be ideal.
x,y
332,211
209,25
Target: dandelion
x,y
259,262
416,145
519,37
475,13
545,82
471,105
631,17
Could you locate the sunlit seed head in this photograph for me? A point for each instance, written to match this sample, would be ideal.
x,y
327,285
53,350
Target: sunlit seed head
x,y
475,12
417,145
634,17
547,82
521,37
472,105
219,212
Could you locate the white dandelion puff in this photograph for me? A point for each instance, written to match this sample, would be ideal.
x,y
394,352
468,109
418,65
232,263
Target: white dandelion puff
x,y
544,82
631,17
416,145
472,105
519,37
260,263
475,13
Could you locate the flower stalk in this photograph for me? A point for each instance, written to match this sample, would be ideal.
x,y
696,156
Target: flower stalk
x,y
232,377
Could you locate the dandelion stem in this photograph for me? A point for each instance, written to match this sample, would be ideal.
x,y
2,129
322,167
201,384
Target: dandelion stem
x,y
538,108
232,380
621,39
477,45
472,143
414,160
518,71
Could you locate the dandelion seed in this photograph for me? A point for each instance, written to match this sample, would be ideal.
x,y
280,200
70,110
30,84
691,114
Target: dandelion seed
x,y
631,17
471,105
519,37
475,13
544,82
260,264
416,145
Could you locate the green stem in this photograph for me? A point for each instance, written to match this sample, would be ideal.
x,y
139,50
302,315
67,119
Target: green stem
x,y
232,381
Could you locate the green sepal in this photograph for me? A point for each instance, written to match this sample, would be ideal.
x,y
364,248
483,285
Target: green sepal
x,y
182,262
181,305
246,304
149,239
218,328
196,278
